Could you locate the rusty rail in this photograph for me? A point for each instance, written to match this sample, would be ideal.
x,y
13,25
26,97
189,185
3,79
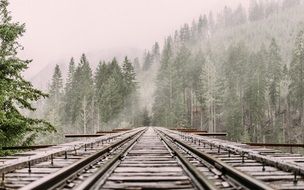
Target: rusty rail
x,y
26,147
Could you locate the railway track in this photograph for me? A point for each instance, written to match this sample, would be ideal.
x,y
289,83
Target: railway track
x,y
157,158
279,170
25,169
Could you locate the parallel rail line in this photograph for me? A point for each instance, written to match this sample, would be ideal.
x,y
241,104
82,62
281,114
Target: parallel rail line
x,y
278,169
153,158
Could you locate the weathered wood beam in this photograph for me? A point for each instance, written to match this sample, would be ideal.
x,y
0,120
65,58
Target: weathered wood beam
x,y
275,144
121,129
82,135
26,147
211,134
105,132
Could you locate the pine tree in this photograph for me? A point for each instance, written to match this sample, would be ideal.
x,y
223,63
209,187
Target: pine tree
x,y
235,75
148,59
274,77
129,93
55,98
274,72
202,26
69,94
194,32
129,77
54,105
112,99
208,90
211,22
156,52
290,3
101,76
70,75
136,65
239,16
163,102
180,86
256,10
57,85
296,87
185,33
146,118
82,96
255,94
15,92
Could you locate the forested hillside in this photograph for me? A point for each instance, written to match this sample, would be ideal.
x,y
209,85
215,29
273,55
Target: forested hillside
x,y
240,71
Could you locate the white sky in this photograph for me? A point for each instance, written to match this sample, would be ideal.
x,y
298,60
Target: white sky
x,y
59,29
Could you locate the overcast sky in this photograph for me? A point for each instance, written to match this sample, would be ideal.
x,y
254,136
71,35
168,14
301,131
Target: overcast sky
x,y
59,29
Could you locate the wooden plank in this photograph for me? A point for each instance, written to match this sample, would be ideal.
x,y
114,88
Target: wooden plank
x,y
275,144
211,134
26,147
82,135
121,129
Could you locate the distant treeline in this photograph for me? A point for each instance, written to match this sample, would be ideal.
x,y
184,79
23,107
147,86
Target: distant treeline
x,y
90,102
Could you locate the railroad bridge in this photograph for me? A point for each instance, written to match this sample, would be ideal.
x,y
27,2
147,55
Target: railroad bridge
x,y
152,158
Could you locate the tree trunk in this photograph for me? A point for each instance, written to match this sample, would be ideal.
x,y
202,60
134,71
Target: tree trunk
x,y
191,108
84,115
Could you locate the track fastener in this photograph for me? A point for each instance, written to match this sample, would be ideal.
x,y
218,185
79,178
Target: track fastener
x,y
29,167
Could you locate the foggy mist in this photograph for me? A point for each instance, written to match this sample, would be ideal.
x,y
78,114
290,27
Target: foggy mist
x,y
152,94
58,30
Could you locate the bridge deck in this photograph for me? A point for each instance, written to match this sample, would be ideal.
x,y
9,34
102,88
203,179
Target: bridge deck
x,y
153,158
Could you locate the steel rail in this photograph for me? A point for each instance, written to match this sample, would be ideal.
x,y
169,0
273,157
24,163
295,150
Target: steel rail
x,y
242,178
200,180
54,151
248,153
60,177
92,181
